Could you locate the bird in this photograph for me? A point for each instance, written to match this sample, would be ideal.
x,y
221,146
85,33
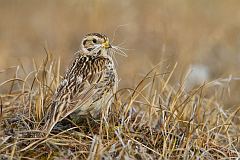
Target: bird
x,y
89,82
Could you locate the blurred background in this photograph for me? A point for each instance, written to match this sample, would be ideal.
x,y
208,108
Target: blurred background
x,y
202,36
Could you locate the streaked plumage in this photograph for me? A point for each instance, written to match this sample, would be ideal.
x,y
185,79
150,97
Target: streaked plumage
x,y
88,84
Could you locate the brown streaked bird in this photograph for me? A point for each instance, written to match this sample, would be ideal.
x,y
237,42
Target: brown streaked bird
x,y
89,82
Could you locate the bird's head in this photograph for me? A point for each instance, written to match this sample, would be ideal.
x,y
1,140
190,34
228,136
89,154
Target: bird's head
x,y
95,44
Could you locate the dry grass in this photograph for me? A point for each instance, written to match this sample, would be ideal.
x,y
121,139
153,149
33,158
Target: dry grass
x,y
154,120
184,31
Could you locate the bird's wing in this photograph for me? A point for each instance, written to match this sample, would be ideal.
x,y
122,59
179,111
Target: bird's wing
x,y
78,86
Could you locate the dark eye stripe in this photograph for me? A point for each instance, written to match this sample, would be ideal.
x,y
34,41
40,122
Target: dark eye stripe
x,y
84,42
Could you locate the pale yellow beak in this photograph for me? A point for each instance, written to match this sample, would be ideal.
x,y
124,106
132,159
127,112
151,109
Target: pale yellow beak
x,y
106,45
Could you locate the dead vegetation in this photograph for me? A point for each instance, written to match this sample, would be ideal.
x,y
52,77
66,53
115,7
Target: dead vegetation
x,y
154,120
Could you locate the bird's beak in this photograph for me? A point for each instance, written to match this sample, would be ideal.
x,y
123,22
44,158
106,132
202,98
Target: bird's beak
x,y
106,45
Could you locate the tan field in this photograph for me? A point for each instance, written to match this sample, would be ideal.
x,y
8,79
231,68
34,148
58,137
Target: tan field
x,y
197,44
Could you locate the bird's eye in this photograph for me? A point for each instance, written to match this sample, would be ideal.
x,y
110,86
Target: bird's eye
x,y
94,41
